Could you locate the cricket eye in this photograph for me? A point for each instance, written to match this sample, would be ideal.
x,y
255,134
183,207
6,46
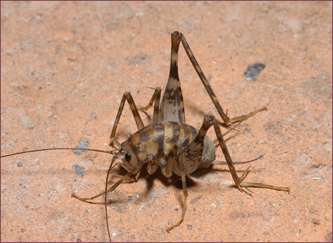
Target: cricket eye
x,y
127,157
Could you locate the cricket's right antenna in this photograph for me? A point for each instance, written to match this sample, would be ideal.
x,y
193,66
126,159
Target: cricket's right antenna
x,y
48,149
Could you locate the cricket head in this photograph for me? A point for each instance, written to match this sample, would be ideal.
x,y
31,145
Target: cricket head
x,y
128,156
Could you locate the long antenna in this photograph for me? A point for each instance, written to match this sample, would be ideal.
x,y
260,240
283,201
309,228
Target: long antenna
x,y
48,149
105,196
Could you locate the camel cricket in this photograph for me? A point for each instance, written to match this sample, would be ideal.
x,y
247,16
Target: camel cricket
x,y
168,142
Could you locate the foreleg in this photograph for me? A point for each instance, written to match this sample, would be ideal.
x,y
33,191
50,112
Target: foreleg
x,y
126,97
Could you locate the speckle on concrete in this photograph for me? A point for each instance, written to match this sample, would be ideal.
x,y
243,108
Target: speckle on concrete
x,y
252,72
83,144
79,170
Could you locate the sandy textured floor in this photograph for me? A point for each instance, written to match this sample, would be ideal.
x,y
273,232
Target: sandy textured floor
x,y
65,66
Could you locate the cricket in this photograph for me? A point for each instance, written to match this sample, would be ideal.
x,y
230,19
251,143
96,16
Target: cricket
x,y
168,143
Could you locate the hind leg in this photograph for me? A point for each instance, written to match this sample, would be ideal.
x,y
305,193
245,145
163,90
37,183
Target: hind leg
x,y
176,37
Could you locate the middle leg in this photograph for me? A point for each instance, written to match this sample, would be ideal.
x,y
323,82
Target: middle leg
x,y
239,181
155,99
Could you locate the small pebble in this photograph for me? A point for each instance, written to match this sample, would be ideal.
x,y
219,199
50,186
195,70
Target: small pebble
x,y
315,221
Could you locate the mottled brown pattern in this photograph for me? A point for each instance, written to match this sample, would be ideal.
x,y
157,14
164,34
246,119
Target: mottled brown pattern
x,y
172,145
158,140
169,143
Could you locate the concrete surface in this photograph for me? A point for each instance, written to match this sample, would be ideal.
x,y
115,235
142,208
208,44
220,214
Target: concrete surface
x,y
65,66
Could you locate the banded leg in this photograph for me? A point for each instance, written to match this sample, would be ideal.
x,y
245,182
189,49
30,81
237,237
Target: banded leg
x,y
128,180
177,36
134,171
185,195
112,188
126,96
155,99
239,181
